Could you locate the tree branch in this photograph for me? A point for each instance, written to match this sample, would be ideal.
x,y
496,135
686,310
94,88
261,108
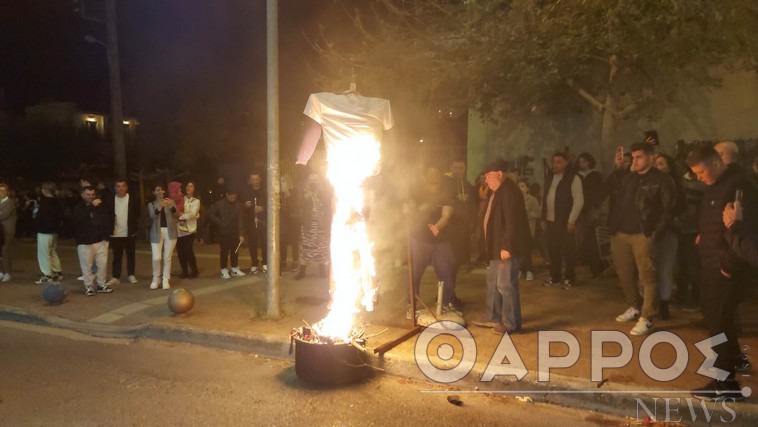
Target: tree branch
x,y
586,95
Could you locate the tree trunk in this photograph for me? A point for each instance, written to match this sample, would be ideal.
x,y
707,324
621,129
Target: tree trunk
x,y
607,133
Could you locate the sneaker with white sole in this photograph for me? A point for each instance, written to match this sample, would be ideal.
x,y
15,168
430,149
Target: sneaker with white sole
x,y
112,281
155,284
132,279
225,274
237,272
529,276
80,278
44,280
265,268
104,289
7,277
90,291
57,276
630,314
166,285
643,327
254,270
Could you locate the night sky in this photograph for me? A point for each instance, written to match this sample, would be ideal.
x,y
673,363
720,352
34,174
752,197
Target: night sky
x,y
173,53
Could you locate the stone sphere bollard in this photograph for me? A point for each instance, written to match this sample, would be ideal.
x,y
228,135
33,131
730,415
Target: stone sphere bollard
x,y
180,301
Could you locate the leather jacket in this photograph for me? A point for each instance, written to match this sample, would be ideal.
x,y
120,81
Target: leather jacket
x,y
655,198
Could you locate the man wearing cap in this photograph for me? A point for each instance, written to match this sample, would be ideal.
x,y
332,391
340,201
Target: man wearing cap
x,y
507,239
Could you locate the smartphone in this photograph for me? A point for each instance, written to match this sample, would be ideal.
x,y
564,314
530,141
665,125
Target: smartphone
x,y
738,195
653,136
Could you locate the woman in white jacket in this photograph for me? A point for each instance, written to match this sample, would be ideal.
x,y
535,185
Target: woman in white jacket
x,y
163,235
187,230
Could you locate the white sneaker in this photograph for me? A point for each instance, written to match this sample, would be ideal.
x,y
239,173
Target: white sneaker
x,y
265,268
254,270
237,272
7,277
225,274
1,276
630,314
155,284
166,285
80,278
112,281
132,279
643,327
529,276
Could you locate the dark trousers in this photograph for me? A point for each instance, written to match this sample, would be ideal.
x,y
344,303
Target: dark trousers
x,y
256,238
228,245
440,255
186,253
560,246
289,235
119,245
526,262
721,297
688,276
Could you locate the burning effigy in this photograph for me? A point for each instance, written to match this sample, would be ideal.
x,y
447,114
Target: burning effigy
x,y
352,127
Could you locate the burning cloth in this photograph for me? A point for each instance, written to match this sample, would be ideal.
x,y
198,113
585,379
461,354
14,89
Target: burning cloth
x,y
352,127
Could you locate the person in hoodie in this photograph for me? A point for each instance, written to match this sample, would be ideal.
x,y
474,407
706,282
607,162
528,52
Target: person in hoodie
x,y
226,215
92,227
48,220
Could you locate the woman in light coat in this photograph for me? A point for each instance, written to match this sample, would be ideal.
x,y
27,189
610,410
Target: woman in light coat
x,y
187,229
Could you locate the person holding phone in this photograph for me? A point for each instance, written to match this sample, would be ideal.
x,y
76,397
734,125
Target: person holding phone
x,y
724,273
163,235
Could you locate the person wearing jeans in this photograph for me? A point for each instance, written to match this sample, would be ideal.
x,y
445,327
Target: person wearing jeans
x,y
507,236
163,235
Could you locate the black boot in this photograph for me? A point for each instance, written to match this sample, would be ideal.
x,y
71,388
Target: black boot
x,y
664,310
301,273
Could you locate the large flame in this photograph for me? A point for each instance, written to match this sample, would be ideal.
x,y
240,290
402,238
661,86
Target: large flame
x,y
349,164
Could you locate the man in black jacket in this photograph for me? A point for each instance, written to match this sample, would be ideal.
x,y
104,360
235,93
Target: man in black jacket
x,y
92,225
254,218
126,213
507,239
724,273
226,215
741,242
645,202
48,220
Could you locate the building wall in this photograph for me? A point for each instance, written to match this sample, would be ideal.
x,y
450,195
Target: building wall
x,y
728,112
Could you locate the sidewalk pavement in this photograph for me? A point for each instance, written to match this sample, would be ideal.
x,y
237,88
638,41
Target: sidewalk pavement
x,y
230,314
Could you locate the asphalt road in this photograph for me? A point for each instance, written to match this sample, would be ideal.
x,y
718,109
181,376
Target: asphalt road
x,y
52,377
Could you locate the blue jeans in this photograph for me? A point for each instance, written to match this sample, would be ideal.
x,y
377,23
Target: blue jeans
x,y
503,300
440,255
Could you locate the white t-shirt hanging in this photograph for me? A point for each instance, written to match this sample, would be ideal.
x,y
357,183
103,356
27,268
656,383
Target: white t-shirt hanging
x,y
345,119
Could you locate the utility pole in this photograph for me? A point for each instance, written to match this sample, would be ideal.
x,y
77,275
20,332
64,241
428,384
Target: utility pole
x,y
272,103
114,72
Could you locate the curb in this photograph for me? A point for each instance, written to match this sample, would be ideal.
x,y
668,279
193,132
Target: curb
x,y
276,346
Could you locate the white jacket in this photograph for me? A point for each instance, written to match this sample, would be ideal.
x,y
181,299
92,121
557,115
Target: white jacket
x,y
188,220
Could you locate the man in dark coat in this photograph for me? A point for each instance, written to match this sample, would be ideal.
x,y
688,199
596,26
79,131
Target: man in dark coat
x,y
724,273
507,239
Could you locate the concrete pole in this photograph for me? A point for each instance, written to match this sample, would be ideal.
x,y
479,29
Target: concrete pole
x,y
272,102
114,72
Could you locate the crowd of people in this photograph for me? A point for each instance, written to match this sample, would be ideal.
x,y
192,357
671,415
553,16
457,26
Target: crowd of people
x,y
682,231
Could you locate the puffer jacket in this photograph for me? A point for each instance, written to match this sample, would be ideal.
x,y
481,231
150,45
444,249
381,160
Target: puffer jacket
x,y
655,198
